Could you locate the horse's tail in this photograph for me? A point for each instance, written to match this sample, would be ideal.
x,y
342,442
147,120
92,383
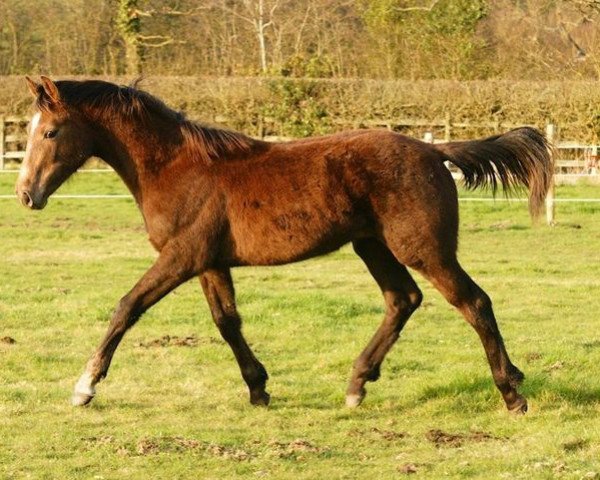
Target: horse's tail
x,y
521,157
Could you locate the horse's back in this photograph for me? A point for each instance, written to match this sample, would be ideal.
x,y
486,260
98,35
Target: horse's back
x,y
299,199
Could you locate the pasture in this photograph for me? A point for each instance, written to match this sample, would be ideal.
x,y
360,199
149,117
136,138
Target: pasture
x,y
174,405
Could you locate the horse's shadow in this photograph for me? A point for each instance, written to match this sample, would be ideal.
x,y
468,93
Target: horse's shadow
x,y
537,388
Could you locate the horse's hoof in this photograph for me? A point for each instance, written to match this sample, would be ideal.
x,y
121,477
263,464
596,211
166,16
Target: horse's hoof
x,y
81,399
84,391
353,400
260,399
519,406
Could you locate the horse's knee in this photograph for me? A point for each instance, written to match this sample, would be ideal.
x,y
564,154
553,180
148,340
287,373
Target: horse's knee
x,y
401,303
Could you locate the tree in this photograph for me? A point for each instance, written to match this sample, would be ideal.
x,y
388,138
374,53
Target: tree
x,y
427,39
129,27
259,14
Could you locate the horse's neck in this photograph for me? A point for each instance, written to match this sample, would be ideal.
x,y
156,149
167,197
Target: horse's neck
x,y
132,153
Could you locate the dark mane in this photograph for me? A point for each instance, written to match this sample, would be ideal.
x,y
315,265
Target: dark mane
x,y
108,100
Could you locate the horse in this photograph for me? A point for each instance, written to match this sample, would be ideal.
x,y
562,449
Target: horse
x,y
213,199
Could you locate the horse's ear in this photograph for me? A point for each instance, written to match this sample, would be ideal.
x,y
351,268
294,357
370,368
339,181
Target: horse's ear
x,y
50,89
33,87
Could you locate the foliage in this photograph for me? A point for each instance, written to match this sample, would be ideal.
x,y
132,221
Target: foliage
x,y
296,107
438,41
313,66
180,411
396,39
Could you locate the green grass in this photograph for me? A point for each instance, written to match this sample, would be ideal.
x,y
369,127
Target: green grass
x,y
182,412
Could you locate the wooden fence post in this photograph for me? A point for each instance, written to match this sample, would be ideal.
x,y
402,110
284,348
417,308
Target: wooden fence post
x,y
447,127
550,135
2,137
260,126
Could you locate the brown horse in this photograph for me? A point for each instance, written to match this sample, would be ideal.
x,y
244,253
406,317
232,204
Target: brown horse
x,y
215,199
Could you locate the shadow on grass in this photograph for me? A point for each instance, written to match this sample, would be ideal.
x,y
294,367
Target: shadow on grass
x,y
315,402
505,225
547,388
536,387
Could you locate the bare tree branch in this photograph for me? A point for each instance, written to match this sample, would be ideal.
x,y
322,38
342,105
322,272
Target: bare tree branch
x,y
168,41
172,12
417,8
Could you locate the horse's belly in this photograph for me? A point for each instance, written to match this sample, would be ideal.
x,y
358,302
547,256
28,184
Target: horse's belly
x,y
289,237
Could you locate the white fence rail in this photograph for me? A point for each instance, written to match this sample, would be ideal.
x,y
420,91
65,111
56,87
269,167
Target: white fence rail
x,y
574,160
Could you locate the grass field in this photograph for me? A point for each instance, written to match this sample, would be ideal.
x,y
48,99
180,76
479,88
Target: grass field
x,y
178,408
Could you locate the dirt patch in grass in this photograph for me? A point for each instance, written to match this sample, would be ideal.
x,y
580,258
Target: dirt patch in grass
x,y
441,438
297,449
533,356
389,435
559,365
229,453
175,341
156,445
102,440
408,468
574,445
7,340
169,445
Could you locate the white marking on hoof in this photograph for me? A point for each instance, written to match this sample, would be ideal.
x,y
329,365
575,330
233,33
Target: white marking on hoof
x,y
80,399
354,400
84,391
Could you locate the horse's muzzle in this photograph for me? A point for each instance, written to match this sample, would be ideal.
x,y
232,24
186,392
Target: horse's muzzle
x,y
29,200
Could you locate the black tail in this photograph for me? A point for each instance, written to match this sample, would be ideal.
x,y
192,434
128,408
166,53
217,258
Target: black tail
x,y
521,157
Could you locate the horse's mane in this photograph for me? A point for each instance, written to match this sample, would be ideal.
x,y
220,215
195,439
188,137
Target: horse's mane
x,y
116,102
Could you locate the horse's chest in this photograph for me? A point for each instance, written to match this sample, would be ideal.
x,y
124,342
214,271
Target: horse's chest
x,y
159,229
163,222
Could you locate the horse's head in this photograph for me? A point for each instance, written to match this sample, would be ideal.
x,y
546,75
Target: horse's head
x,y
59,143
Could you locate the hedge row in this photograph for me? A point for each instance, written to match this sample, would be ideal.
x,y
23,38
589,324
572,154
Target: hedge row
x,y
302,107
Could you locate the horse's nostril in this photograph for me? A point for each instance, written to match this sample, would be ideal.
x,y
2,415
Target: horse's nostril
x,y
26,199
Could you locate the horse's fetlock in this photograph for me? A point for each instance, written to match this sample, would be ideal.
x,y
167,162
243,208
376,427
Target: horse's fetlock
x,y
263,373
374,374
230,310
483,301
415,299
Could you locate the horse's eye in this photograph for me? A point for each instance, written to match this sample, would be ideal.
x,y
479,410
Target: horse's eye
x,y
50,134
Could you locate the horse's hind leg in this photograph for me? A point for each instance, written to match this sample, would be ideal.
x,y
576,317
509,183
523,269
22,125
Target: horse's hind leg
x,y
402,298
475,305
218,289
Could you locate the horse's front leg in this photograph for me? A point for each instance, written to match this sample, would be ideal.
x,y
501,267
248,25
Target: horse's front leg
x,y
219,292
168,272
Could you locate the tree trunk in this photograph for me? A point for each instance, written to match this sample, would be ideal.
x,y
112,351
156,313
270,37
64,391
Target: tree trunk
x,y
129,27
260,31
